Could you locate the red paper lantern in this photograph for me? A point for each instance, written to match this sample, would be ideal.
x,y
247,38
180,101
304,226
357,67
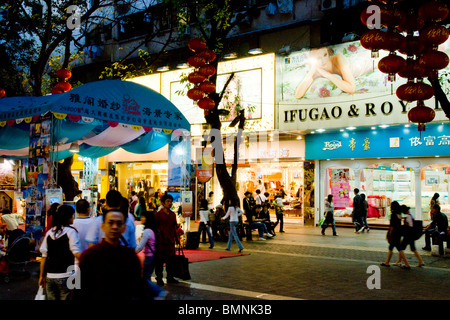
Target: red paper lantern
x,y
434,60
434,35
195,94
55,90
197,44
421,114
63,73
433,11
196,61
412,46
411,91
391,65
196,77
207,70
206,103
411,23
207,87
373,40
63,86
2,93
394,41
207,54
391,17
412,70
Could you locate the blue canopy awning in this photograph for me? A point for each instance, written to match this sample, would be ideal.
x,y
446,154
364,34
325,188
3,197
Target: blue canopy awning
x,y
84,113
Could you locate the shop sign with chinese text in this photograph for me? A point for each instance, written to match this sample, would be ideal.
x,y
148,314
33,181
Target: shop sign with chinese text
x,y
389,142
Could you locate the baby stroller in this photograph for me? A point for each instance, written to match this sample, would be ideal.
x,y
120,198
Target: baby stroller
x,y
17,256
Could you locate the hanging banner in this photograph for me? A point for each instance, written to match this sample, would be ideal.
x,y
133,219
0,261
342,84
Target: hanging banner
x,y
205,164
187,203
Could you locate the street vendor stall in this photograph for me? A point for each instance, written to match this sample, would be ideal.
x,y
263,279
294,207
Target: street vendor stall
x,y
92,121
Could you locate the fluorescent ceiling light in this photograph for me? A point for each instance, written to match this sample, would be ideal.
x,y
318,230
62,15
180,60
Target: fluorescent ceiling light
x,y
350,128
320,130
230,55
255,51
163,68
384,126
182,66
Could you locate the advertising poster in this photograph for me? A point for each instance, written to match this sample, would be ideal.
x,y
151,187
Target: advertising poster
x,y
340,187
36,169
340,85
205,164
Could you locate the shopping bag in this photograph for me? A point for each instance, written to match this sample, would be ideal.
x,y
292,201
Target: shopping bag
x,y
321,221
40,294
179,266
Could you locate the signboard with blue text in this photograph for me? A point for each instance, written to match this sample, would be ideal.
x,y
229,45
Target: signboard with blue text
x,y
391,142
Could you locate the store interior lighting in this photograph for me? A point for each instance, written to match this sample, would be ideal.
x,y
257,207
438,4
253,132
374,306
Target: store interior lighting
x,y
74,147
350,128
182,66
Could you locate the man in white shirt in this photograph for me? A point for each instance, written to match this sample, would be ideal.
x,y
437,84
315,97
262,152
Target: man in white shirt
x,y
12,220
260,198
83,221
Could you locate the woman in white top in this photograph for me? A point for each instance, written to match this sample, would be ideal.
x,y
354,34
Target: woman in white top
x,y
60,250
204,222
233,213
329,215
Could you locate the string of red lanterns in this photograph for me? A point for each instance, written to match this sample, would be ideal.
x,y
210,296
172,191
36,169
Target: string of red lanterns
x,y
62,86
2,93
201,74
423,58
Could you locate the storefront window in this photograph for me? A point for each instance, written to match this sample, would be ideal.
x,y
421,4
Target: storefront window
x,y
435,179
144,178
285,178
380,184
384,184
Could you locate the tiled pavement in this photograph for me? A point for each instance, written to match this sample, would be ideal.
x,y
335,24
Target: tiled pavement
x,y
300,264
303,264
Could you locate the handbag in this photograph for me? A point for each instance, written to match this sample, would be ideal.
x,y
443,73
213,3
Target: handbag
x,y
180,265
40,294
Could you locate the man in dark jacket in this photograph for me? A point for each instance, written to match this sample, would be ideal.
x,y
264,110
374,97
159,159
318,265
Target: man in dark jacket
x,y
438,225
357,211
109,270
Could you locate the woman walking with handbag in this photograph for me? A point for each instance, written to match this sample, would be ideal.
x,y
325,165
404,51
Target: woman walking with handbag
x,y
234,212
148,244
408,236
329,215
394,236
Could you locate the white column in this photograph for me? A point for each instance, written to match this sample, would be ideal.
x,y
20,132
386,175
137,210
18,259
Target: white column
x,y
418,193
318,193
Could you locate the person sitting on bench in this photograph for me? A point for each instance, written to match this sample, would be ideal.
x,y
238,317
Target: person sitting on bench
x,y
439,225
256,224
